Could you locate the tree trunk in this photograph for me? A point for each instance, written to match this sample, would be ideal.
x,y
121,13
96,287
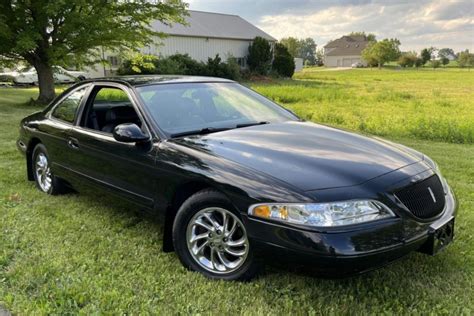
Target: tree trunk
x,y
45,82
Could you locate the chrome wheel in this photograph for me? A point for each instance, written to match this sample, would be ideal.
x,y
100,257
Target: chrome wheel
x,y
217,240
43,173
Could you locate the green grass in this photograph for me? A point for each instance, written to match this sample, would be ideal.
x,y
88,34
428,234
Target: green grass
x,y
86,254
423,104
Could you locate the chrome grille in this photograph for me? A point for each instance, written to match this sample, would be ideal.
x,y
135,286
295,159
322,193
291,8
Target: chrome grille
x,y
424,199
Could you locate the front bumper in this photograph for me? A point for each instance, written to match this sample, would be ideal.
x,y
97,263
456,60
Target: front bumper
x,y
346,251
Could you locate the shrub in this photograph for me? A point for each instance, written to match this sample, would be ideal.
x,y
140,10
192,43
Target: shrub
x,y
180,64
435,64
418,62
465,59
260,56
283,62
407,59
188,65
216,68
139,64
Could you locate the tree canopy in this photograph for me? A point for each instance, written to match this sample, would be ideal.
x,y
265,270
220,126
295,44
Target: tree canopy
x,y
46,33
370,36
446,52
425,54
379,53
292,44
301,48
466,59
408,59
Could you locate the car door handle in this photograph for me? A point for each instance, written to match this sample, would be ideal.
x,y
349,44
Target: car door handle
x,y
73,143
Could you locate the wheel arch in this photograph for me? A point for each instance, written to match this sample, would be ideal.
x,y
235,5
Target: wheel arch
x,y
29,157
179,196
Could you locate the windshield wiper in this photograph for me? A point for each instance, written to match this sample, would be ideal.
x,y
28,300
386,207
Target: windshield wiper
x,y
251,124
202,131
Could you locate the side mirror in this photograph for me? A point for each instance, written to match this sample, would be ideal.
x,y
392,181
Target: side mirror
x,y
129,133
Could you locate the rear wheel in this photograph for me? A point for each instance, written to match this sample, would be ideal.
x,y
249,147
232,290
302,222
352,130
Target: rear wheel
x,y
44,178
210,238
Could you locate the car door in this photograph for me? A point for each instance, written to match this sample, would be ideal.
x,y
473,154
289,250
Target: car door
x,y
123,168
54,131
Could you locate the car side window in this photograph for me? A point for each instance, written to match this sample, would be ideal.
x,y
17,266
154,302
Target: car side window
x,y
66,110
107,108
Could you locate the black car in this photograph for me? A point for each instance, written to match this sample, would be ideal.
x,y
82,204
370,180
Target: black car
x,y
237,178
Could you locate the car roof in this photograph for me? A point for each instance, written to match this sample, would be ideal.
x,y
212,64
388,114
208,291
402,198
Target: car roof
x,y
141,80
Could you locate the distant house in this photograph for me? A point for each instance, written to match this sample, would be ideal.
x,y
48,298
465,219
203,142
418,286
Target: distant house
x,y
345,51
205,35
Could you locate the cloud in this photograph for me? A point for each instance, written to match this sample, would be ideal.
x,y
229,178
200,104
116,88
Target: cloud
x,y
438,24
417,24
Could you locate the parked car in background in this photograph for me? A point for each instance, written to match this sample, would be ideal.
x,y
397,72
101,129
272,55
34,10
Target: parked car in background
x,y
237,178
357,65
29,76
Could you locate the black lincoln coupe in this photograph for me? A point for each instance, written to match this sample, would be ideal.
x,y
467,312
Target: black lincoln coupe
x,y
237,178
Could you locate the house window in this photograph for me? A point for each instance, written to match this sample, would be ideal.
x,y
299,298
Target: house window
x,y
242,61
113,61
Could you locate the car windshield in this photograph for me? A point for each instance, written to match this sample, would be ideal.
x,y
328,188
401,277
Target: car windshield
x,y
198,108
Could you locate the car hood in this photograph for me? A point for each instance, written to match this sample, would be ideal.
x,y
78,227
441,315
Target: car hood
x,y
306,155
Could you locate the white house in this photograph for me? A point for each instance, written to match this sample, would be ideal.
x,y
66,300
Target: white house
x,y
205,35
345,51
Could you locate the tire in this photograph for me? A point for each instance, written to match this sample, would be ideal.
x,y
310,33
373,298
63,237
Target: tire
x,y
81,78
41,171
211,254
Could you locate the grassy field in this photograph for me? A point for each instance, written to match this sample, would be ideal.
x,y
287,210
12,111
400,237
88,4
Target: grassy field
x,y
423,104
85,254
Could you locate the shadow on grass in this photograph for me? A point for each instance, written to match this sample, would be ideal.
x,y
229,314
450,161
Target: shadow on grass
x,y
411,267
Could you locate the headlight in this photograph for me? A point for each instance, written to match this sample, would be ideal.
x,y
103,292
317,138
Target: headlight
x,y
323,214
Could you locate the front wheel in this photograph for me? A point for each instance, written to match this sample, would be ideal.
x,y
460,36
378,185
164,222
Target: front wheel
x,y
210,238
44,178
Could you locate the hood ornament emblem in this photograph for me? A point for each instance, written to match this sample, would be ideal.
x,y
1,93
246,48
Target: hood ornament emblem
x,y
432,194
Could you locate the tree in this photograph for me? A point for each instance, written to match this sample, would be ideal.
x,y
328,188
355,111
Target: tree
x,y
260,56
465,59
426,54
418,62
319,58
283,62
292,44
47,33
378,53
407,59
444,60
307,51
370,37
446,52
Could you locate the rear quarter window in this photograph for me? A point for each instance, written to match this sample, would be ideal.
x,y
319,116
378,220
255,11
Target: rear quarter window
x,y
66,110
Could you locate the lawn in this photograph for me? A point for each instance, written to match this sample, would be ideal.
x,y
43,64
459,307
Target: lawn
x,y
424,104
86,254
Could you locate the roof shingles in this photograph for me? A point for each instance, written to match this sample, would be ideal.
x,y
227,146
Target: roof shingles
x,y
346,46
213,25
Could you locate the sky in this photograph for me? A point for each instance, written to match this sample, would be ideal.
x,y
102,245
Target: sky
x,y
416,23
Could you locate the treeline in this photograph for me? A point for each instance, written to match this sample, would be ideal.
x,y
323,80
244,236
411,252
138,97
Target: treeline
x,y
436,58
